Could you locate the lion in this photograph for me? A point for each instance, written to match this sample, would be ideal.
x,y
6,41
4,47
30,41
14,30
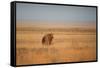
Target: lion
x,y
47,39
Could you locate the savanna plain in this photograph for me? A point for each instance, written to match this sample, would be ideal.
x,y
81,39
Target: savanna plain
x,y
68,45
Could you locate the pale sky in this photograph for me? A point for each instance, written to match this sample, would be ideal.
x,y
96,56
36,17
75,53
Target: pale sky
x,y
54,13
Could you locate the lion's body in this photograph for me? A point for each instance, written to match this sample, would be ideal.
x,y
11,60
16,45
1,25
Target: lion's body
x,y
47,39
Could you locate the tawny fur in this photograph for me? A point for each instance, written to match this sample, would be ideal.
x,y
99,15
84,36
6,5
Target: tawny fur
x,y
47,39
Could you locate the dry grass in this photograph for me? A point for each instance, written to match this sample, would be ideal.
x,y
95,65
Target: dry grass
x,y
67,46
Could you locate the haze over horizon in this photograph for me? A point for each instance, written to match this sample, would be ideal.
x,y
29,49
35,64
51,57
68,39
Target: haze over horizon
x,y
56,25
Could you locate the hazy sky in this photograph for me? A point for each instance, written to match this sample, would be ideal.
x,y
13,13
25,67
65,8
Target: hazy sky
x,y
37,12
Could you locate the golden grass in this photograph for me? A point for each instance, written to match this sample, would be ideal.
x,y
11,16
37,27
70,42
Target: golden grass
x,y
67,46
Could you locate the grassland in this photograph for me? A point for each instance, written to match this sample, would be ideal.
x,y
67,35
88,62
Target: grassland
x,y
69,45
